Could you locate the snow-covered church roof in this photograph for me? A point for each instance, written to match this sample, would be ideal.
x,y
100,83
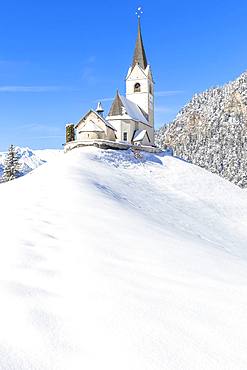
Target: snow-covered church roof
x,y
139,135
126,109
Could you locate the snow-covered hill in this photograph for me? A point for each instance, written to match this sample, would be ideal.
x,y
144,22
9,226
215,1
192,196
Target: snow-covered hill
x,y
211,131
110,262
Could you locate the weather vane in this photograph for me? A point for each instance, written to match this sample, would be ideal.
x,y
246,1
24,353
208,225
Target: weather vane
x,y
139,12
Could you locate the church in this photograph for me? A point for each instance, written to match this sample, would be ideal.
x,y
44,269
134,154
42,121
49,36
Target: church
x,y
130,121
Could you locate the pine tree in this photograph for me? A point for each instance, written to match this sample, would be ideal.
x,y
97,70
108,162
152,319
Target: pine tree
x,y
11,165
70,132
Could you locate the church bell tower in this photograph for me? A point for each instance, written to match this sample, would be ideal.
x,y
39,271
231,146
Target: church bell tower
x,y
139,80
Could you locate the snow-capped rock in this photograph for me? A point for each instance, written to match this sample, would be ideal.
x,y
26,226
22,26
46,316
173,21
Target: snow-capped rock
x,y
28,159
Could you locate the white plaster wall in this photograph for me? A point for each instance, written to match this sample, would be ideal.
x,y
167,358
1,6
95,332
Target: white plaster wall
x,y
122,126
91,135
117,125
144,99
110,134
130,126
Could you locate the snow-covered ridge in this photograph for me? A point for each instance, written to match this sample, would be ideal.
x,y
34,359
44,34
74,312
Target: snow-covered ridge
x,y
211,131
122,263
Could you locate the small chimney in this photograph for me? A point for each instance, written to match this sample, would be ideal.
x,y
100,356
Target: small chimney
x,y
100,109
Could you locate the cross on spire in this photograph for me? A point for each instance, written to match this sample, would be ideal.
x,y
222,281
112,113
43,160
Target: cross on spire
x,y
139,12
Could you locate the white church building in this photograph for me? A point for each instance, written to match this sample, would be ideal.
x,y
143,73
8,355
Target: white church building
x,y
130,120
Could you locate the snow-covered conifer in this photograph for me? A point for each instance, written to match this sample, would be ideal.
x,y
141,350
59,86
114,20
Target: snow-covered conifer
x,y
11,165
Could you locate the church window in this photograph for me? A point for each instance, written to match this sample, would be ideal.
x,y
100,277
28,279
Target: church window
x,y
137,87
150,89
125,136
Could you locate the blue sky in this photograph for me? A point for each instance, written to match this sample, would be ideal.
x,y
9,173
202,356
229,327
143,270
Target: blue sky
x,y
57,58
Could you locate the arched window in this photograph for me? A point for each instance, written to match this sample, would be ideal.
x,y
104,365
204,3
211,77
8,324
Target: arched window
x,y
150,89
137,87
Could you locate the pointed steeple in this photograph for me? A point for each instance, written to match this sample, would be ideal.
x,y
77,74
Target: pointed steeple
x,y
117,105
139,54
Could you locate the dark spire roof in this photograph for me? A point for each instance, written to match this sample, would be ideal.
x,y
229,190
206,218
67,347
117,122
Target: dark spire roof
x,y
117,105
139,55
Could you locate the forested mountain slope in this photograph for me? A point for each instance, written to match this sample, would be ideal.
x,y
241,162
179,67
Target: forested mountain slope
x,y
211,131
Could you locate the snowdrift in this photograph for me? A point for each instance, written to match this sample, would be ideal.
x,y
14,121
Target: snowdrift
x,y
111,262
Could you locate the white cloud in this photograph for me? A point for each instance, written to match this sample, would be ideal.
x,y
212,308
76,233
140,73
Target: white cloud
x,y
88,71
42,131
29,89
163,109
104,99
48,137
91,59
169,92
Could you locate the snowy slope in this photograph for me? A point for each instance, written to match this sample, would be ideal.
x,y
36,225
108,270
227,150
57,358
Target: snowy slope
x,y
48,154
117,263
